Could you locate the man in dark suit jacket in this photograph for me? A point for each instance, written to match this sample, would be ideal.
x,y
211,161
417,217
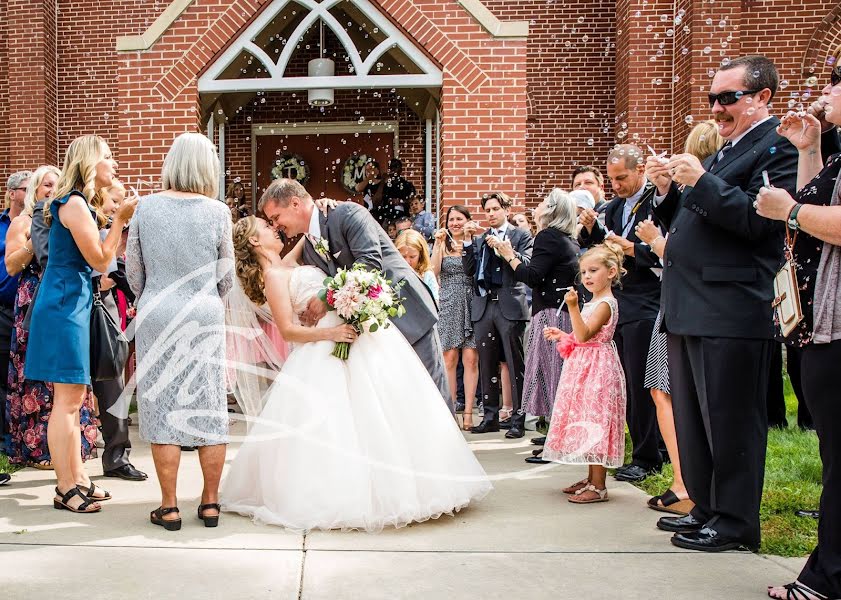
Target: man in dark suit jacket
x,y
499,310
721,257
639,300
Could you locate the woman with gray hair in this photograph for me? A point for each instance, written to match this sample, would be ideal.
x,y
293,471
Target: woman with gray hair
x,y
179,261
550,274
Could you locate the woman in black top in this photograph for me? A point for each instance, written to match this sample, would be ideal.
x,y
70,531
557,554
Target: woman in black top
x,y
814,217
550,274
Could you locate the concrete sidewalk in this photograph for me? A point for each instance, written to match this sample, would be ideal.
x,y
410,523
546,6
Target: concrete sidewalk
x,y
523,541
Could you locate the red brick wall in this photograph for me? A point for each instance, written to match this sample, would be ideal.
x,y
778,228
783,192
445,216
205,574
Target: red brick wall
x,y
492,136
87,65
31,97
571,57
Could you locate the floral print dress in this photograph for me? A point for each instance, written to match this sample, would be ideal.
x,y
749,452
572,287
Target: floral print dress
x,y
588,420
28,403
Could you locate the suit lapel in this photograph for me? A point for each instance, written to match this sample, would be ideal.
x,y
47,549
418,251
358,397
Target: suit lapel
x,y
745,144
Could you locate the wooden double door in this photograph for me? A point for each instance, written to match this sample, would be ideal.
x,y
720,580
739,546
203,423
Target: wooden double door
x,y
324,155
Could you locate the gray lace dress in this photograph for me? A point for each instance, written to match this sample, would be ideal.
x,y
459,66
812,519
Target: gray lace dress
x,y
179,262
456,291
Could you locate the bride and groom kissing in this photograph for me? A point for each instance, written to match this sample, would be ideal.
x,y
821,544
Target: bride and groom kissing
x,y
367,442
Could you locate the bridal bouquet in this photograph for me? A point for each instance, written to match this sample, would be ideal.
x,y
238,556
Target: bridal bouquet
x,y
364,298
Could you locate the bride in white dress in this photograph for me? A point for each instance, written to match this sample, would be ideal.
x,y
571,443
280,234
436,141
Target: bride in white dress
x,y
364,443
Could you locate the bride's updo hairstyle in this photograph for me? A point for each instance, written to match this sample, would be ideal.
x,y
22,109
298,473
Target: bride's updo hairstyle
x,y
248,269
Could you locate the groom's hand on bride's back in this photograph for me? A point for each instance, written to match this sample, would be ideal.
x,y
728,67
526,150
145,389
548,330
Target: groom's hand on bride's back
x,y
316,309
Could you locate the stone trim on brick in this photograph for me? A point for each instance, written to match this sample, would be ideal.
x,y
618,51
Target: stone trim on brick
x,y
133,43
485,18
497,28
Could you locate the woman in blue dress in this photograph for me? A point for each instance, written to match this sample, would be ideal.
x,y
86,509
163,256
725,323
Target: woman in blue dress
x,y
59,336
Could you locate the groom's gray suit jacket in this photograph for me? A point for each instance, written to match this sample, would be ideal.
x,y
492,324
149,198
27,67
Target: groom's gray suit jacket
x,y
355,237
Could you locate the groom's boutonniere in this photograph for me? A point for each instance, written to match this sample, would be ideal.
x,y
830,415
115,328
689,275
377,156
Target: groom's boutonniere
x,y
323,248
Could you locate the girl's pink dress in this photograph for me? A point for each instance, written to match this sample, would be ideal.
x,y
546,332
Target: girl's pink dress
x,y
588,420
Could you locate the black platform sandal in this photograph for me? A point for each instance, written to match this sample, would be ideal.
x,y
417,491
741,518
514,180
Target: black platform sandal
x,y
212,521
84,507
89,492
157,518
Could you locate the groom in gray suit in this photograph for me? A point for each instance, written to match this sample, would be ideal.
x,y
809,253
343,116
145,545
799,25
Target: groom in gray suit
x,y
348,235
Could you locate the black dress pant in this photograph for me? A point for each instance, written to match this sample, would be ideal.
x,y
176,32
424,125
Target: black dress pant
x,y
497,337
632,342
114,427
719,388
821,368
776,401
7,320
794,356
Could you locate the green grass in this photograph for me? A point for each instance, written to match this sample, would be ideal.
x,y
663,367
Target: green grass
x,y
792,482
6,466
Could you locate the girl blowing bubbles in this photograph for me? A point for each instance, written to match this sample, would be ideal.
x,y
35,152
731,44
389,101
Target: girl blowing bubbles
x,y
588,420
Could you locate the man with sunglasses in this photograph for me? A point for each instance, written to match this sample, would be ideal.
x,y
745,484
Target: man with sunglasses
x,y
15,194
721,257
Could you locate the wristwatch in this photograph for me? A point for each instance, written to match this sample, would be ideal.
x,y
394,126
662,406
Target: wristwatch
x,y
792,217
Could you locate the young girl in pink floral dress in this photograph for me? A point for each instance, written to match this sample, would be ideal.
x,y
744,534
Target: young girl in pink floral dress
x,y
588,420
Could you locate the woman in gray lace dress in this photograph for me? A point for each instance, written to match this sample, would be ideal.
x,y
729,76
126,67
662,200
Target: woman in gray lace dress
x,y
454,323
179,263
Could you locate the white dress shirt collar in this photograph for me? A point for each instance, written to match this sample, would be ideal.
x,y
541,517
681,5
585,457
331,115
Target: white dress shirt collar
x,y
315,225
738,138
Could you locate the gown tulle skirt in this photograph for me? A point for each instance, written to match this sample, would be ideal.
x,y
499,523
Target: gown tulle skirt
x,y
365,443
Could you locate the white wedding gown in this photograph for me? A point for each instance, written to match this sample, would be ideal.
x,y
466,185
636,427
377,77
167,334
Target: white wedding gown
x,y
365,443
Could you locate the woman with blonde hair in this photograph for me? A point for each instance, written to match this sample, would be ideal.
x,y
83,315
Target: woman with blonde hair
x,y
59,336
29,402
179,259
704,140
413,247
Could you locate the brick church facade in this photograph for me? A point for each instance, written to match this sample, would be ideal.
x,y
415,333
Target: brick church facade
x,y
473,95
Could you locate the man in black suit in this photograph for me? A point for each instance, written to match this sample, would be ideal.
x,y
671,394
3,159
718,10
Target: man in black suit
x,y
499,310
721,257
638,296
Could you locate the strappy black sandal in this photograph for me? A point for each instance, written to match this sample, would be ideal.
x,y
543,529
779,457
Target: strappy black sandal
x,y
89,492
84,507
212,521
797,591
157,518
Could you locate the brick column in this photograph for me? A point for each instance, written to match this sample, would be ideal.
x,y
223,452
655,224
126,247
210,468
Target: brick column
x,y
31,83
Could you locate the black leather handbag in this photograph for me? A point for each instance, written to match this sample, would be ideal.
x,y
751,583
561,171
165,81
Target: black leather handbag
x,y
109,345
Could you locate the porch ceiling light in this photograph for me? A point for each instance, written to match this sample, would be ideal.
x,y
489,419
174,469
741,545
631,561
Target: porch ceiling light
x,y
321,67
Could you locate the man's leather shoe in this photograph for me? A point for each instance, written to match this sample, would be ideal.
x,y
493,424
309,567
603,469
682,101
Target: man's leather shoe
x,y
631,473
685,524
459,406
485,427
127,472
538,441
5,478
709,540
536,460
515,432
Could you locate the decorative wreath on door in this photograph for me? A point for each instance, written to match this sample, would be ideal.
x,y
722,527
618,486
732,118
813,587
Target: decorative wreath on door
x,y
353,172
291,166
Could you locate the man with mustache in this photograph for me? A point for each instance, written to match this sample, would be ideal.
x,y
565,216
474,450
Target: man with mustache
x,y
720,261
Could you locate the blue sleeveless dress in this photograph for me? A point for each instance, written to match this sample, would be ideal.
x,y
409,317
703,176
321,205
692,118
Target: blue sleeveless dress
x,y
59,335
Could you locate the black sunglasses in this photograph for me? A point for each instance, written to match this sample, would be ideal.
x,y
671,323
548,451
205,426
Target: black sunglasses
x,y
835,75
728,98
